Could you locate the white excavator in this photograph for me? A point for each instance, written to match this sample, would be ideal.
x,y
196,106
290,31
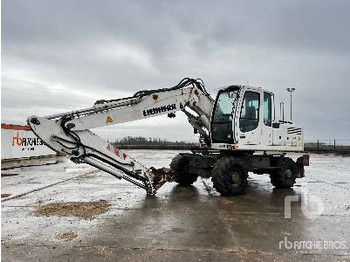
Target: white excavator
x,y
238,134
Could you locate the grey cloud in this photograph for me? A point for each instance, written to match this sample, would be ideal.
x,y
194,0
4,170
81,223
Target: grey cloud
x,y
161,26
67,54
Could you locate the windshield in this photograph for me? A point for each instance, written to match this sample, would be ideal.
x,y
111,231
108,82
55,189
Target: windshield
x,y
225,106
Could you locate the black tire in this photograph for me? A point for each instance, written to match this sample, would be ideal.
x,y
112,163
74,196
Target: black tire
x,y
285,176
229,176
180,166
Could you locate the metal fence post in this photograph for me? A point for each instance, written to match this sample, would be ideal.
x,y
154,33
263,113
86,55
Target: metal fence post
x,y
334,145
318,144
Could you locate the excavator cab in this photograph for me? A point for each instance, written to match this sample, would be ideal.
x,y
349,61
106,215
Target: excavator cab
x,y
243,119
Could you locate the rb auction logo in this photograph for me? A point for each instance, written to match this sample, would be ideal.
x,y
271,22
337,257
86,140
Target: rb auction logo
x,y
28,143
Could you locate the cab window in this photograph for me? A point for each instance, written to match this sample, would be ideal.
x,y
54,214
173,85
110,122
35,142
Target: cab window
x,y
267,109
221,126
249,118
224,108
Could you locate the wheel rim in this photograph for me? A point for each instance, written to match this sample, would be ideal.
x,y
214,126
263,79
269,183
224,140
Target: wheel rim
x,y
235,178
288,174
186,170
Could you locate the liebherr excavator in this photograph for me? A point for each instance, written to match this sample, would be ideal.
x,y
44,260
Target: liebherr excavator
x,y
238,133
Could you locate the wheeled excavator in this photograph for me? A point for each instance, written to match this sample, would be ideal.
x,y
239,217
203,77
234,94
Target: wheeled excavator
x,y
238,134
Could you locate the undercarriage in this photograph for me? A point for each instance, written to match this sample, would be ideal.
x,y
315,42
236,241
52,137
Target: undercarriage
x,y
229,171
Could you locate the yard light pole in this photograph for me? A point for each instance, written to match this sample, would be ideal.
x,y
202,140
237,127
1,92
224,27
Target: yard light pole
x,y
290,90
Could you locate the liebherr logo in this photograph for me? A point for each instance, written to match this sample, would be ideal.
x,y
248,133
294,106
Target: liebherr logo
x,y
157,110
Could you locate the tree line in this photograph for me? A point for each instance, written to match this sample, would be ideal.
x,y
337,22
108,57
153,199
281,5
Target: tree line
x,y
140,140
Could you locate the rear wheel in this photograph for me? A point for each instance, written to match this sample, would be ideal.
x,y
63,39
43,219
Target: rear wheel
x,y
229,176
285,176
181,167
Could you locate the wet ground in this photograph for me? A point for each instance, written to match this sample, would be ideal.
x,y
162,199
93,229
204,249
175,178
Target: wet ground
x,y
179,223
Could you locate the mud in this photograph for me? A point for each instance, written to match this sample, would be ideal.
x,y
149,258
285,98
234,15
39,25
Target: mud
x,y
85,210
68,236
5,195
3,173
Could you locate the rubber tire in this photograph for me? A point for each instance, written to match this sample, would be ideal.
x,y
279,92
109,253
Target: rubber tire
x,y
179,165
221,176
279,178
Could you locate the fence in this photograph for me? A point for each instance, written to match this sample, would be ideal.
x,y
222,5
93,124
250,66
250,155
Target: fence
x,y
335,145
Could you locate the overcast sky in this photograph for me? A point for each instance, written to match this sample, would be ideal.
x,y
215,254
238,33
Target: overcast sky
x,y
62,55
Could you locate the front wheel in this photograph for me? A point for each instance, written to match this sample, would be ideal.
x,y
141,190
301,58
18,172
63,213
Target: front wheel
x,y
229,176
180,166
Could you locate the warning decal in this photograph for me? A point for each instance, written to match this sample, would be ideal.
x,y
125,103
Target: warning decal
x,y
109,120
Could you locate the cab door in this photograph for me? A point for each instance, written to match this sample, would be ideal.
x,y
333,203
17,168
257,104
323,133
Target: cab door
x,y
222,119
249,118
267,113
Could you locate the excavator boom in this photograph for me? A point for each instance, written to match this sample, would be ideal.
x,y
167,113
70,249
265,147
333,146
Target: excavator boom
x,y
68,133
